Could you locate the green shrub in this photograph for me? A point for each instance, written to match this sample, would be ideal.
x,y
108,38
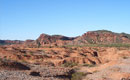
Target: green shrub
x,y
89,65
102,45
78,76
69,64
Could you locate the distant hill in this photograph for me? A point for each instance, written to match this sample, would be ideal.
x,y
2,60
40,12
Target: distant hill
x,y
102,37
45,40
90,37
9,42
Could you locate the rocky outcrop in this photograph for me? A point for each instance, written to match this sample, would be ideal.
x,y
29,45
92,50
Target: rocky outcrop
x,y
101,37
90,37
54,40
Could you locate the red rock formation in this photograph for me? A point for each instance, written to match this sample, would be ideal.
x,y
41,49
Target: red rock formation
x,y
102,37
48,40
91,37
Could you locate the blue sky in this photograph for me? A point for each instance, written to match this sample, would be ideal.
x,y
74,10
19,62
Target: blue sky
x,y
27,19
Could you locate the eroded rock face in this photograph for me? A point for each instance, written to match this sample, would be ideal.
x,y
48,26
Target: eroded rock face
x,y
52,56
54,40
90,37
101,36
61,55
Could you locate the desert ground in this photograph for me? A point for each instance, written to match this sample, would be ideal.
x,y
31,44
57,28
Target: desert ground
x,y
64,63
